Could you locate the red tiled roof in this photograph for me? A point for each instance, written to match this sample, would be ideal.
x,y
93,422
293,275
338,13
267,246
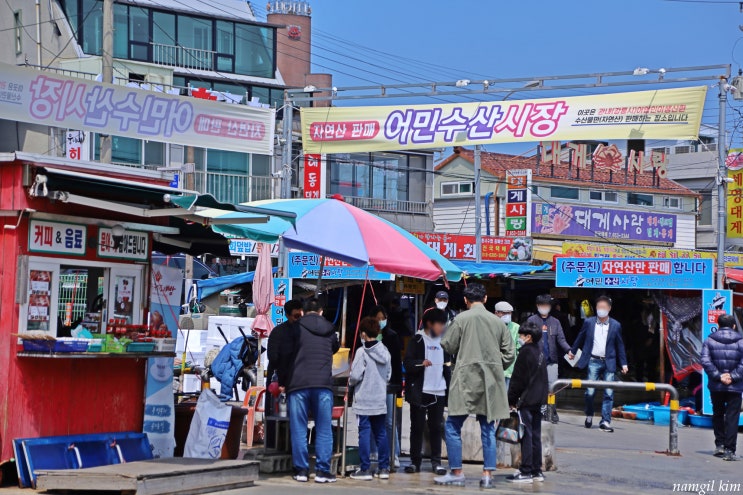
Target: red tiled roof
x,y
496,164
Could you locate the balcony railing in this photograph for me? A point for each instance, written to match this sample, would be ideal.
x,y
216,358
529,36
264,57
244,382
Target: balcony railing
x,y
183,57
234,188
390,205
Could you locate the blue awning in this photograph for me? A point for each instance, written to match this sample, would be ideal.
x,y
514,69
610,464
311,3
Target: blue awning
x,y
491,269
209,286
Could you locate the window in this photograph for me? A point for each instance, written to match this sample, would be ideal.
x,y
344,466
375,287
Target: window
x,y
18,23
123,150
384,176
254,50
705,208
92,26
640,199
457,188
604,196
139,34
564,192
672,202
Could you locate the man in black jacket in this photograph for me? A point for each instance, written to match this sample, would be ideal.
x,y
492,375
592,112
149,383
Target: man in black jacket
x,y
527,392
281,342
428,370
311,389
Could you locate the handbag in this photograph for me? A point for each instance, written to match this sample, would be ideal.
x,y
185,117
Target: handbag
x,y
511,430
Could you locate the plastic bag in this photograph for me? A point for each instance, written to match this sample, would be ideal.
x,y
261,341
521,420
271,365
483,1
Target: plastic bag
x,y
208,427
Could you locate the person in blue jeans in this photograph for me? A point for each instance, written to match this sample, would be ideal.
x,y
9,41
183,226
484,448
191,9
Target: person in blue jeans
x,y
310,390
370,373
600,341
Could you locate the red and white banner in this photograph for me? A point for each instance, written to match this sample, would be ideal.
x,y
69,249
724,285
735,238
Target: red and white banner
x,y
314,176
462,247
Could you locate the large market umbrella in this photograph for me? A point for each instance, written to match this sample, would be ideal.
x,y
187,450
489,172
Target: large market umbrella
x,y
262,299
336,229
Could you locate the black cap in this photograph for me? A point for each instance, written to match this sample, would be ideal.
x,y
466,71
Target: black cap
x,y
442,294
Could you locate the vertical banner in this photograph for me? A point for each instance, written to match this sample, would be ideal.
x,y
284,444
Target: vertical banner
x,y
518,203
77,146
282,292
735,204
714,303
314,176
166,288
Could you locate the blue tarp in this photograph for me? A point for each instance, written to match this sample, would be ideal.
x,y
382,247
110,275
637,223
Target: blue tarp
x,y
485,269
205,288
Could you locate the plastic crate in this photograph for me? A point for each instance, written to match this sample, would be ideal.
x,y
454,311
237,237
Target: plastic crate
x,y
140,347
55,345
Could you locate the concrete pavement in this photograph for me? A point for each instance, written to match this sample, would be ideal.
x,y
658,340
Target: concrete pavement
x,y
589,462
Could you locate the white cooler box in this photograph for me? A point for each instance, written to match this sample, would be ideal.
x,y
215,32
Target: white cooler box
x,y
230,326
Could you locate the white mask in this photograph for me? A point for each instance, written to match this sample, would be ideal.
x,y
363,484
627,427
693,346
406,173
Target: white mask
x,y
522,341
506,318
543,310
442,305
602,313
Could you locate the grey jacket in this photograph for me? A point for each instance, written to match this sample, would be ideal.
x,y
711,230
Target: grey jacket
x,y
370,372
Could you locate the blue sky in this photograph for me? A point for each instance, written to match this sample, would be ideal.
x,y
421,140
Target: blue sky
x,y
497,38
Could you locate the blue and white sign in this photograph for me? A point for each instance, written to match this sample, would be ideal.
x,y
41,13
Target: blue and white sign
x,y
634,273
307,266
247,247
282,292
714,304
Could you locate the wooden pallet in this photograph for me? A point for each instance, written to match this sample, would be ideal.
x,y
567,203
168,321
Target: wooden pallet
x,y
160,476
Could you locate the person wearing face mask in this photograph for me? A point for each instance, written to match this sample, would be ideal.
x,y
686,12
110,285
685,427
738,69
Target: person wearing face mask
x,y
553,341
603,352
391,341
504,311
441,300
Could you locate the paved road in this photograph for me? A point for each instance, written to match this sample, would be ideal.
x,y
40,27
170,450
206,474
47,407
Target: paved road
x,y
589,462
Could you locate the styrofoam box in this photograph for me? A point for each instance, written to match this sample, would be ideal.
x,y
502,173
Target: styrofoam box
x,y
191,384
230,327
196,340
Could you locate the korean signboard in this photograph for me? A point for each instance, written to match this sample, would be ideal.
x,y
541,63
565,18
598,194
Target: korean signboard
x,y
132,245
604,158
57,238
77,146
282,292
518,203
462,247
714,304
307,266
605,223
28,95
659,114
409,285
314,176
735,204
634,273
248,247
576,249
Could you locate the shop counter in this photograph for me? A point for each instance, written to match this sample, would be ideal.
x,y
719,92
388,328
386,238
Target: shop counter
x,y
94,355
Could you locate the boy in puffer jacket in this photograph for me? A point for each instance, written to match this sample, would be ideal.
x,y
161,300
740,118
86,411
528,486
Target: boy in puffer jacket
x,y
370,372
722,360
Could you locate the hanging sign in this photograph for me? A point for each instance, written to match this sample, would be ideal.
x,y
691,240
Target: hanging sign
x,y
634,273
735,204
659,114
56,238
714,303
462,247
307,266
77,146
248,247
131,246
314,176
282,292
518,203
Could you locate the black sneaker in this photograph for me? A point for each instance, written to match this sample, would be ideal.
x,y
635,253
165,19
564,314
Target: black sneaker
x,y
520,478
538,476
719,452
555,418
438,470
325,477
383,474
301,476
588,423
486,482
606,427
412,469
729,456
360,475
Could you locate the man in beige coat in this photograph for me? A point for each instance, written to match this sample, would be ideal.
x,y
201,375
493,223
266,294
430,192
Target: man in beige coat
x,y
483,349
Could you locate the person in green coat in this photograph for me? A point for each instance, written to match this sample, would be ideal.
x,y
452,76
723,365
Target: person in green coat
x,y
483,349
504,311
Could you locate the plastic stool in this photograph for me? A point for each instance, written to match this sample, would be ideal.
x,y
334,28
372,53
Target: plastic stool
x,y
254,404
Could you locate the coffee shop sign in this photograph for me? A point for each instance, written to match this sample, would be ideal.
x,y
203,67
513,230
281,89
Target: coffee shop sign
x,y
606,157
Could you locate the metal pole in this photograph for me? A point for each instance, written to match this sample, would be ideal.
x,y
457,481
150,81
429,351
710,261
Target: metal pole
x,y
38,33
478,207
722,203
673,433
107,67
344,316
285,172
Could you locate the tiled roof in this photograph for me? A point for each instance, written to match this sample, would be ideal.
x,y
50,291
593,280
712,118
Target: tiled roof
x,y
497,163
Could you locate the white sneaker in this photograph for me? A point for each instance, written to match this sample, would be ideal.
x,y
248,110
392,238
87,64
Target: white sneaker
x,y
450,479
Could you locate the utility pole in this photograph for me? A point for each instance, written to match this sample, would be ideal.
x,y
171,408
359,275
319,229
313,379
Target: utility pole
x,y
107,67
722,203
286,170
478,207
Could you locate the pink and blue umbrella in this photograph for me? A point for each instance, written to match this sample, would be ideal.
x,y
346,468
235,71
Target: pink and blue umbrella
x,y
336,229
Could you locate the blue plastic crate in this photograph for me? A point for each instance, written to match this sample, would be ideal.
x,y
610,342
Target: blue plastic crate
x,y
55,345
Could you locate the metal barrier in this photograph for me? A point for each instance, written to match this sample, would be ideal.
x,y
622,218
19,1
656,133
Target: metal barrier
x,y
673,435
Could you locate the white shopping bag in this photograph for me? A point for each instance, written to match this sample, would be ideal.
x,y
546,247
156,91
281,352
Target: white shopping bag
x,y
208,427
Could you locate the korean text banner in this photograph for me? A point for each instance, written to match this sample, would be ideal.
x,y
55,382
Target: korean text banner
x,y
604,223
660,114
47,98
634,273
714,304
307,266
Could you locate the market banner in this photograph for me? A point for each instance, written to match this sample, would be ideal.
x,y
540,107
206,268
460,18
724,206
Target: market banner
x,y
462,247
584,249
604,223
307,266
634,273
658,114
714,304
518,202
735,204
46,98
